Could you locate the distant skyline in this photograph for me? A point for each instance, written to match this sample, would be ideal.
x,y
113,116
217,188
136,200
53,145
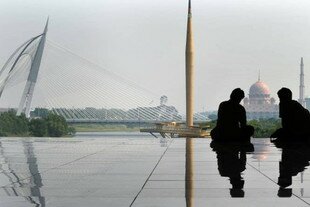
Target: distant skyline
x,y
144,41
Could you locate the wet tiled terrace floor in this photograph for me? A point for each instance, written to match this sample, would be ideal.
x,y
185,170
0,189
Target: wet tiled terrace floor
x,y
137,172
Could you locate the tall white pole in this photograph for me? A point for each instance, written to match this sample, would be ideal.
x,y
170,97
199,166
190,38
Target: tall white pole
x,y
189,54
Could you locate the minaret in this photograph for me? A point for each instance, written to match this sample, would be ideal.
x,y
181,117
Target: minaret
x,y
301,99
189,54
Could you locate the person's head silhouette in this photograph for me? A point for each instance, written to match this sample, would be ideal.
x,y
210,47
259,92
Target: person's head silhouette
x,y
285,94
237,95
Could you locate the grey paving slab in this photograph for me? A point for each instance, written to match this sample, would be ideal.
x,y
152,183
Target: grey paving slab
x,y
211,202
143,171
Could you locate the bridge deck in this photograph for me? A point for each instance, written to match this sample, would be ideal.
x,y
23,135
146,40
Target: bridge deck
x,y
178,131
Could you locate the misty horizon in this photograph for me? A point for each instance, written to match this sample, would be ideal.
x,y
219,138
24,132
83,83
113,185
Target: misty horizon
x,y
144,41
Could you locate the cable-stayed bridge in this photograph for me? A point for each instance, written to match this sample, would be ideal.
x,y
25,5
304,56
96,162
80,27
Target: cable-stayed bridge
x,y
42,75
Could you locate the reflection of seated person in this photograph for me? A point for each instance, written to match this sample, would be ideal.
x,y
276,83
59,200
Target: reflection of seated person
x,y
231,122
231,162
294,160
295,118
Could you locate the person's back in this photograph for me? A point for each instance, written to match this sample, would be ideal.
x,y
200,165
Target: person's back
x,y
295,118
231,116
231,122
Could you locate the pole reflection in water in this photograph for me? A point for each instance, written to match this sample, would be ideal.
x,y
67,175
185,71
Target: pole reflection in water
x,y
36,180
25,182
163,142
189,173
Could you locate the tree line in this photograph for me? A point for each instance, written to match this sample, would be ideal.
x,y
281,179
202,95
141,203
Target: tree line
x,y
263,127
51,125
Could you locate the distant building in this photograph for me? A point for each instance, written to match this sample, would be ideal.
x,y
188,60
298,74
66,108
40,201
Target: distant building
x,y
163,112
307,100
301,99
6,109
259,104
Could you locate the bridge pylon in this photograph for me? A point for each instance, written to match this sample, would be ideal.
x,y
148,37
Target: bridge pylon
x,y
25,102
33,50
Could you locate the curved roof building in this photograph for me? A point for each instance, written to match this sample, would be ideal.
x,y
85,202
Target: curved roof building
x,y
259,104
259,89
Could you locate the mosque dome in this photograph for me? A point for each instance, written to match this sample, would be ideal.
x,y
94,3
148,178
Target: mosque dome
x,y
259,89
259,104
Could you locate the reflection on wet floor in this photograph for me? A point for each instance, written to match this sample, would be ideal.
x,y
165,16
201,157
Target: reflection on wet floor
x,y
189,173
231,161
17,180
151,172
294,160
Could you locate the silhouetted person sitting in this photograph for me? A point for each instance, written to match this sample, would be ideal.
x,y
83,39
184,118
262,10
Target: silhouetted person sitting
x,y
231,123
295,118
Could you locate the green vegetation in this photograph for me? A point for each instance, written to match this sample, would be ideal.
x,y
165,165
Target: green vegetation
x,y
263,127
105,128
56,125
12,125
38,127
52,125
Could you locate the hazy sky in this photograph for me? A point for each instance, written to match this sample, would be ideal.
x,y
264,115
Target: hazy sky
x,y
144,40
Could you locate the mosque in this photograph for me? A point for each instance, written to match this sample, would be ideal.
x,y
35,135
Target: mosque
x,y
259,104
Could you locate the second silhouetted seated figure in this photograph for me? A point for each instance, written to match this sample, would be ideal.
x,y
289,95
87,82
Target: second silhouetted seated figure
x,y
231,123
295,119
